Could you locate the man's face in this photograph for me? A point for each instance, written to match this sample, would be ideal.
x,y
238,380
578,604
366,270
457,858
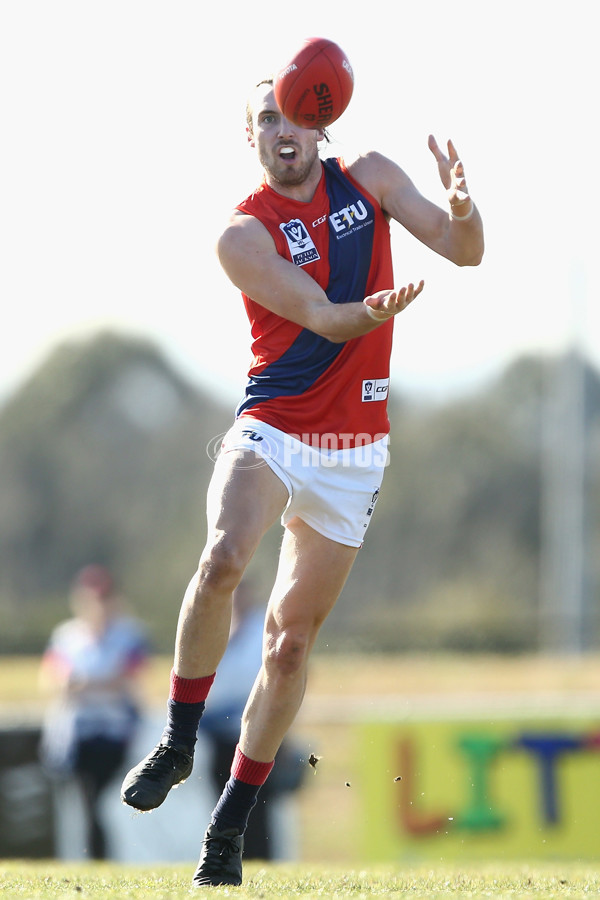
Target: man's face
x,y
287,152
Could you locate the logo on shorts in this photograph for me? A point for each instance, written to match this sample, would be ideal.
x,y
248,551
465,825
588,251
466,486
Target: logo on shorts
x,y
301,245
375,389
372,504
253,435
242,439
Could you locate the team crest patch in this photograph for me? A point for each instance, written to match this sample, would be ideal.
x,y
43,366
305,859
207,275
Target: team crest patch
x,y
300,242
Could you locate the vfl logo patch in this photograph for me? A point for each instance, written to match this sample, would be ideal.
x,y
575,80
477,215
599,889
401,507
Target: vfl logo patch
x,y
375,389
301,245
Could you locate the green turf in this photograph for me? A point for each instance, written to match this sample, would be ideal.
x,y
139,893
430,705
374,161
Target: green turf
x,y
42,880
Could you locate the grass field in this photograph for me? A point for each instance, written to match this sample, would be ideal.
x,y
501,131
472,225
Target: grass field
x,y
41,881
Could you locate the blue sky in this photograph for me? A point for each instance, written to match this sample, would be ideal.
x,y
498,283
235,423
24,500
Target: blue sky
x,y
124,150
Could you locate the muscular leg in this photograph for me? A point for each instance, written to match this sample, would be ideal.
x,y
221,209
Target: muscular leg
x,y
244,498
312,572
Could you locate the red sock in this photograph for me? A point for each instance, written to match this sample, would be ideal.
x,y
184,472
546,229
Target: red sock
x,y
248,770
190,690
240,793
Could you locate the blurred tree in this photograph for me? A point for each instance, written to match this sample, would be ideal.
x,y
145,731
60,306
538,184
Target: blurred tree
x,y
103,458
452,557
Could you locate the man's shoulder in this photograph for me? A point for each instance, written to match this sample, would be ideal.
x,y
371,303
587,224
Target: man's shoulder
x,y
374,171
242,221
258,196
243,233
364,163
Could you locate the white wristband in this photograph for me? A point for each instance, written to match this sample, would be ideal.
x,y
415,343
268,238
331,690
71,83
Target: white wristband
x,y
373,313
463,218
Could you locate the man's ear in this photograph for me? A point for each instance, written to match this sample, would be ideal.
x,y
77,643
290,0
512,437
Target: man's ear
x,y
250,137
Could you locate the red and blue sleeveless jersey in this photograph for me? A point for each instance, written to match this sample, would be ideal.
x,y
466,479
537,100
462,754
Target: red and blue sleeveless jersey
x,y
299,382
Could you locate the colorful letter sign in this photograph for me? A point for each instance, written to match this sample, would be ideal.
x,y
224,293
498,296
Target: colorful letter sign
x,y
469,789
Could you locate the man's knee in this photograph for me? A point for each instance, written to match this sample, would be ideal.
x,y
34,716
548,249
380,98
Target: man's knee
x,y
222,565
287,652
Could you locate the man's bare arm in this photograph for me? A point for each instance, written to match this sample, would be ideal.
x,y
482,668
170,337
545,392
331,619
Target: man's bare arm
x,y
249,257
455,233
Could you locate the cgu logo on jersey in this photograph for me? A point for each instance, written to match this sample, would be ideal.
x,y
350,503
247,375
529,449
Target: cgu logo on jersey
x,y
344,219
301,245
374,389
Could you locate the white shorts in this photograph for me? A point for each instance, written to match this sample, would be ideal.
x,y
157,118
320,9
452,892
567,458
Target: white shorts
x,y
334,491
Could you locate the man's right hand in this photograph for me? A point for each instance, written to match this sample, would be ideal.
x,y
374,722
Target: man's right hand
x,y
385,304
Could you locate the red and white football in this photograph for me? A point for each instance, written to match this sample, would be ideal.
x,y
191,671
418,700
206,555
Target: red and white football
x,y
314,88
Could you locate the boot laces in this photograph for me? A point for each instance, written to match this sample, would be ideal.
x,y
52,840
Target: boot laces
x,y
219,851
160,761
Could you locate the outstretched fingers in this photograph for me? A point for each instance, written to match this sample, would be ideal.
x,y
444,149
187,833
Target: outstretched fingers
x,y
451,169
435,149
452,154
407,294
386,304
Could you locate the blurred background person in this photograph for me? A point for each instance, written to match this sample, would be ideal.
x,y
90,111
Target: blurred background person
x,y
92,667
270,833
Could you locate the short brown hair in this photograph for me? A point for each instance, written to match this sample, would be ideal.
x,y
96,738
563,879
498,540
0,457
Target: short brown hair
x,y
268,80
